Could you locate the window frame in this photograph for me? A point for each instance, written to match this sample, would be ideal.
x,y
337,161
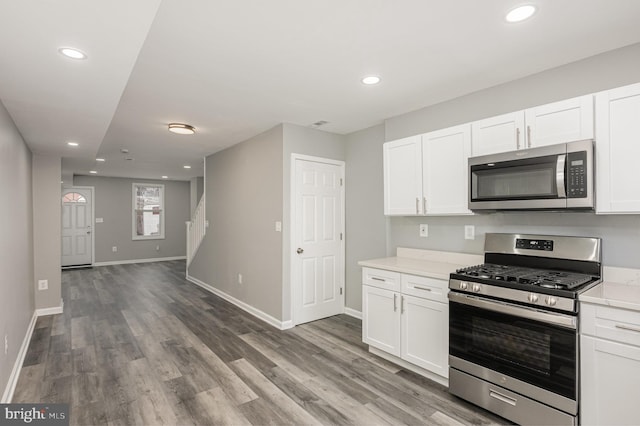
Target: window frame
x,y
134,235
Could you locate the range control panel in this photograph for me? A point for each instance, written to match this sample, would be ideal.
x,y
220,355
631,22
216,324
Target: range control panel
x,y
577,174
544,245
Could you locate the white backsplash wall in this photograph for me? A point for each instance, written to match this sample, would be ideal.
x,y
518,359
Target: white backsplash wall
x,y
620,234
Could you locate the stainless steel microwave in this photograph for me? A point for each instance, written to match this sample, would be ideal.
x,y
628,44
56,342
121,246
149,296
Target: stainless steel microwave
x,y
548,177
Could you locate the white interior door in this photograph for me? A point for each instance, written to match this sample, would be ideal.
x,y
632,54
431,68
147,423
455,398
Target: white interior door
x,y
77,231
318,244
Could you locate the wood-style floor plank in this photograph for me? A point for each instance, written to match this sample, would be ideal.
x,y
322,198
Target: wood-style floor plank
x,y
139,345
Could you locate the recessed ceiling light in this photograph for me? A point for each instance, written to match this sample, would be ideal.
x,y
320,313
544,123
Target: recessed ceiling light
x,y
101,160
371,79
187,167
93,172
73,53
72,143
521,13
165,177
181,129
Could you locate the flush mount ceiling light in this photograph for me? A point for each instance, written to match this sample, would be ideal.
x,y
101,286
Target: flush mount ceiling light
x,y
165,177
93,172
520,13
370,80
100,160
187,167
72,143
182,129
73,53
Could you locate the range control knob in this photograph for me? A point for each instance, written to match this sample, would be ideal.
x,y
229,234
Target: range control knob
x,y
463,285
550,300
533,298
477,288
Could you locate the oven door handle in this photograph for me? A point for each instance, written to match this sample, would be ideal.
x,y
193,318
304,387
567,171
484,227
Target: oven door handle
x,y
562,320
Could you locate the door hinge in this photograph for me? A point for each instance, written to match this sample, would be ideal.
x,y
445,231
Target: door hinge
x,y
340,291
340,181
341,236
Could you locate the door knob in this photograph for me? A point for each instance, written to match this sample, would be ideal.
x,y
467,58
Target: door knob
x,y
88,232
299,251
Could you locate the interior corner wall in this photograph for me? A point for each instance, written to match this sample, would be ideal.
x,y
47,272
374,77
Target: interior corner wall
x,y
16,246
46,171
243,196
113,203
366,222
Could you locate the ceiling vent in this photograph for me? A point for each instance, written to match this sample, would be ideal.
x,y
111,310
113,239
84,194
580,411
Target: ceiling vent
x,y
319,123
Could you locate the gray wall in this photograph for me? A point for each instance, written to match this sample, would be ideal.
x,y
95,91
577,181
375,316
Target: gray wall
x,y
306,141
621,234
243,201
366,223
16,246
46,173
112,202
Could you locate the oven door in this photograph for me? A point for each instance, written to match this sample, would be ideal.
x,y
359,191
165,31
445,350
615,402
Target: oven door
x,y
537,348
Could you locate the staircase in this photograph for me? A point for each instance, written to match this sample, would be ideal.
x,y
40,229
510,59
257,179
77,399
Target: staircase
x,y
196,230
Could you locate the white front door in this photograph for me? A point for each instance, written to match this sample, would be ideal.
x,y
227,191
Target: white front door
x,y
77,218
318,243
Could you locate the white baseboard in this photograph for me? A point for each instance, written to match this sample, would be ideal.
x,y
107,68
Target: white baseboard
x,y
51,311
126,262
282,325
353,313
7,396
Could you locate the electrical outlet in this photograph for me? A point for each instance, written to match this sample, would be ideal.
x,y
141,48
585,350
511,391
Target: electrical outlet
x,y
6,344
114,249
43,284
424,230
278,226
469,232
157,248
239,278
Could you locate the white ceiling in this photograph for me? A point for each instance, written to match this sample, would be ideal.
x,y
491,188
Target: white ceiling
x,y
236,68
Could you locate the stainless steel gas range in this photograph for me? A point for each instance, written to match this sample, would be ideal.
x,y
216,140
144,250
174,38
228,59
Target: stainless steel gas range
x,y
513,326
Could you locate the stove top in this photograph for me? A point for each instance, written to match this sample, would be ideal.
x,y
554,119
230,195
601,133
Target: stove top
x,y
535,277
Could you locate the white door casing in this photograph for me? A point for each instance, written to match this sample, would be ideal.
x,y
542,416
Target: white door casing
x,y
317,264
77,245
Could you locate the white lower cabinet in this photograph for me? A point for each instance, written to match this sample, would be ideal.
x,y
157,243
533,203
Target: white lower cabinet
x,y
610,366
415,329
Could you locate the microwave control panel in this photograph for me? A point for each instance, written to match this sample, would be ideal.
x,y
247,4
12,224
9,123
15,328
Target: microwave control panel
x,y
577,174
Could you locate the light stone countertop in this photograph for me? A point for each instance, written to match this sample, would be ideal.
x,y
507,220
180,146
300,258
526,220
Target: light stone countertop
x,y
426,263
626,296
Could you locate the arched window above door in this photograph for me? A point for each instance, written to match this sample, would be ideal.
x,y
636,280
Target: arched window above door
x,y
73,197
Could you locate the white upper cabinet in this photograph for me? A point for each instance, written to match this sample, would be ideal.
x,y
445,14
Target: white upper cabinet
x,y
617,150
427,174
445,174
564,121
497,134
403,176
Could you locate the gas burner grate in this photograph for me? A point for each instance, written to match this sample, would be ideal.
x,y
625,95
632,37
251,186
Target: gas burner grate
x,y
522,275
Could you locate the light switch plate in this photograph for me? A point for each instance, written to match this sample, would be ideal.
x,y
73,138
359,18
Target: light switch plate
x,y
99,220
43,284
278,226
469,232
424,230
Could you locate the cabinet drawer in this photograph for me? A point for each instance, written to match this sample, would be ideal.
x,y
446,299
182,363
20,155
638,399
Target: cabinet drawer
x,y
380,278
425,287
619,325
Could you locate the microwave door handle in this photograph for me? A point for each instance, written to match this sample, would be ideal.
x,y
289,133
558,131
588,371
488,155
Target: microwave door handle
x,y
560,176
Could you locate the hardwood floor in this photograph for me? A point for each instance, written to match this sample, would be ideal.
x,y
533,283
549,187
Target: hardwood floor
x,y
138,344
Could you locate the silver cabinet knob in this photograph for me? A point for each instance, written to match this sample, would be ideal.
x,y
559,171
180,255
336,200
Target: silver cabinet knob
x,y
299,251
533,298
551,301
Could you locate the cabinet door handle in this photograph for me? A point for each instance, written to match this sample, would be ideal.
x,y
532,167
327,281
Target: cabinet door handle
x,y
378,279
395,305
417,205
422,288
628,327
518,137
529,136
424,205
402,304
